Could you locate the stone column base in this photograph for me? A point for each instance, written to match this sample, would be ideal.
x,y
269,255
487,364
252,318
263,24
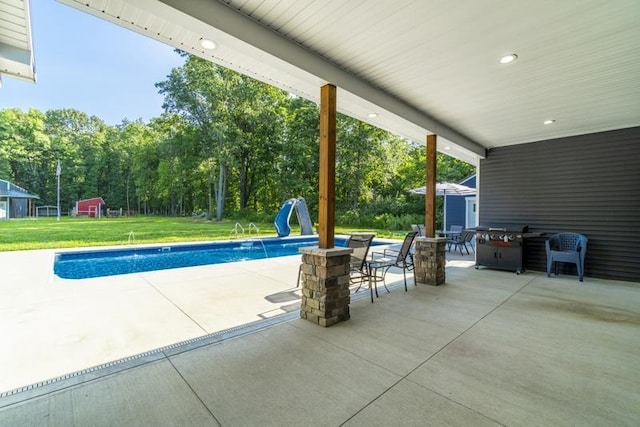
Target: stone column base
x,y
325,285
430,261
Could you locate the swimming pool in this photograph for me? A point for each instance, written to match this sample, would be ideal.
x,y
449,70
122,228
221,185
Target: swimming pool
x,y
99,263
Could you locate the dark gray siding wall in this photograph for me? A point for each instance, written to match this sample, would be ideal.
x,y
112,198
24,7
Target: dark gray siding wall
x,y
18,208
588,184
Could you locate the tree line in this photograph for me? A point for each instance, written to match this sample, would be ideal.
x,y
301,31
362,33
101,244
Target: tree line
x,y
226,145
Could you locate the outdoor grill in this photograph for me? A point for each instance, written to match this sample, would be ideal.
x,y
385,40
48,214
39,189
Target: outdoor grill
x,y
502,247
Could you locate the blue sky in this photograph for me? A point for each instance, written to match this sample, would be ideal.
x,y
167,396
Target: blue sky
x,y
91,65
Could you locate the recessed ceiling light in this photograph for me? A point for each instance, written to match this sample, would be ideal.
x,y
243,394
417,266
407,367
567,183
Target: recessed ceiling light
x,y
208,44
372,115
549,122
447,148
508,58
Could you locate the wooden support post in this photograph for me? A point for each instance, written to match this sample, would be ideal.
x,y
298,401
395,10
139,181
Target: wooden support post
x,y
327,202
430,193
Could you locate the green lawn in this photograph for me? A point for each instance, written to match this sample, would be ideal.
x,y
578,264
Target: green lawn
x,y
47,233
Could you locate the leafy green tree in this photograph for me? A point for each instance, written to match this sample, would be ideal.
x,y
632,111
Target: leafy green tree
x,y
26,149
396,154
178,154
11,143
197,92
79,142
142,166
117,159
358,146
239,119
448,169
222,136
256,124
298,166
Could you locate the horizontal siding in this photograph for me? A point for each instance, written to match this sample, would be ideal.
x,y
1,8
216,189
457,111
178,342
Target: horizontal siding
x,y
588,184
456,206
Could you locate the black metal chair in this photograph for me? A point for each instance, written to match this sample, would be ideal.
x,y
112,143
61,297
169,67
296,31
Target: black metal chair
x,y
391,258
566,247
454,230
460,241
360,243
418,228
358,272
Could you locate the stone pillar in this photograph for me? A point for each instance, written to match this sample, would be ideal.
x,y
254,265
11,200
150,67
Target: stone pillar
x,y
325,285
430,261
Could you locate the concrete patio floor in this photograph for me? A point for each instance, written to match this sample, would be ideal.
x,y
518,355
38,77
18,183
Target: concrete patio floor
x,y
52,326
487,348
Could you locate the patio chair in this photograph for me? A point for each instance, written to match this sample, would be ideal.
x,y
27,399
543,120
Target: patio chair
x,y
566,247
418,228
454,230
391,258
459,241
360,243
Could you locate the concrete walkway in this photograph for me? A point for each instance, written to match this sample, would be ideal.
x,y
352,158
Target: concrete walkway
x,y
51,326
487,348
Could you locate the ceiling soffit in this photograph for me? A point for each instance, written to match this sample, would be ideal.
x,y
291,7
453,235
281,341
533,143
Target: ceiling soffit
x,y
287,55
579,62
250,48
16,45
424,66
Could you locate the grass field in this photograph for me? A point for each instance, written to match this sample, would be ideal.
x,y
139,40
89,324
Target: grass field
x,y
47,233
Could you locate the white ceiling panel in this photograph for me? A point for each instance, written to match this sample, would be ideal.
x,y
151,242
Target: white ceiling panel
x,y
16,46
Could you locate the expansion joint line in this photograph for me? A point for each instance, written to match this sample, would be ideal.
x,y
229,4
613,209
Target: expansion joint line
x,y
174,304
194,392
405,377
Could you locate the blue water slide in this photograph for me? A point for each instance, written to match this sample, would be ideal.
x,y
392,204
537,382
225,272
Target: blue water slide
x,y
304,219
281,221
282,218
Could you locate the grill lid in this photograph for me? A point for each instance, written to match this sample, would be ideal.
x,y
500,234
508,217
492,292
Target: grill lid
x,y
507,228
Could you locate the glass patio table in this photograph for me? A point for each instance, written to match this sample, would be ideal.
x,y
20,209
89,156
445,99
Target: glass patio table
x,y
375,276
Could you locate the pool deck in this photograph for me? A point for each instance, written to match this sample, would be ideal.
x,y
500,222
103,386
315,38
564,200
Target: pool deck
x,y
98,320
486,348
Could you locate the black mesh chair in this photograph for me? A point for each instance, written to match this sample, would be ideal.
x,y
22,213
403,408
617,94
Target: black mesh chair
x,y
391,258
566,247
460,241
418,228
360,243
358,273
454,230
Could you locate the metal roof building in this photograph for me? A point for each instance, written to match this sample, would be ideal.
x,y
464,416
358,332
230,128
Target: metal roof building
x,y
15,201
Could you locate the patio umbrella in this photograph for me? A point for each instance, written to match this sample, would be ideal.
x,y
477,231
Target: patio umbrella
x,y
444,189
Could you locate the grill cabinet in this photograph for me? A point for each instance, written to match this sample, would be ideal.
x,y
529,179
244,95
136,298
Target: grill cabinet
x,y
501,247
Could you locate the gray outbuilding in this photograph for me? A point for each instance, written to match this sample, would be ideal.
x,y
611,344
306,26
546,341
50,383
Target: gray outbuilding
x,y
15,201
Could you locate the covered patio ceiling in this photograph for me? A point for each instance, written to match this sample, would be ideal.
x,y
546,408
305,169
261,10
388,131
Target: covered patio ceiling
x,y
421,67
16,46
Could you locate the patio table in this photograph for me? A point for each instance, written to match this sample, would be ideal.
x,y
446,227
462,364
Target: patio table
x,y
374,277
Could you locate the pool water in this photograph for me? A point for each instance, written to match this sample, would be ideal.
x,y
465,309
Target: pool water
x,y
99,263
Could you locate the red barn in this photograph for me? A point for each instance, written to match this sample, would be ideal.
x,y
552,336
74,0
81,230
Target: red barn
x,y
90,207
